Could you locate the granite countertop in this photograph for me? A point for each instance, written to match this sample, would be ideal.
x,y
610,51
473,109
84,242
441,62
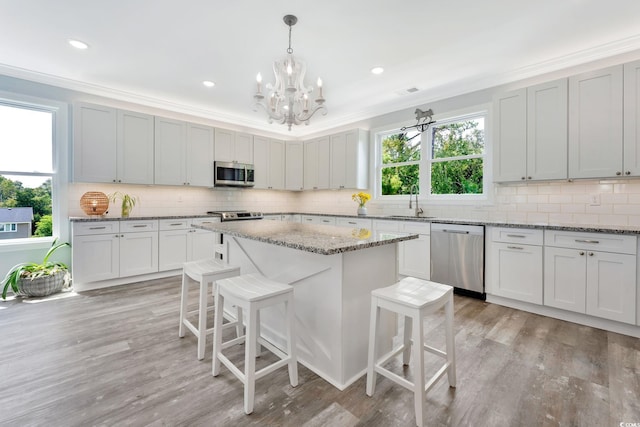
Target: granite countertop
x,y
135,218
320,239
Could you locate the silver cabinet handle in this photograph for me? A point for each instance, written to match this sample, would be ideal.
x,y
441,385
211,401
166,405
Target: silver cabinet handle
x,y
97,228
455,231
581,253
140,226
520,236
590,253
515,247
351,222
586,241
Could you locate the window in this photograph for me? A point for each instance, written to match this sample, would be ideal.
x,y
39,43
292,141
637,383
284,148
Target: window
x,y
27,173
446,162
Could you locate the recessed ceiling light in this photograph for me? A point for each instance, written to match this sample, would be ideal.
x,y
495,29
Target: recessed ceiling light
x,y
377,70
208,83
78,44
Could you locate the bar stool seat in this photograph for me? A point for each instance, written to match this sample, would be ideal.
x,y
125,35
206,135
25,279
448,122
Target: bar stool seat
x,y
205,272
251,293
413,299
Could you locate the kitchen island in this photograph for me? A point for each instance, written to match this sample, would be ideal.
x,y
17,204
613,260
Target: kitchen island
x,y
333,271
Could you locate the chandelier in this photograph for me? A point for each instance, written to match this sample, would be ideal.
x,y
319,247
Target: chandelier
x,y
287,101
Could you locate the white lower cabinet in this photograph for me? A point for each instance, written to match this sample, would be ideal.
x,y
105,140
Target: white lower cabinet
x,y
514,260
108,250
414,256
583,278
179,242
353,222
318,219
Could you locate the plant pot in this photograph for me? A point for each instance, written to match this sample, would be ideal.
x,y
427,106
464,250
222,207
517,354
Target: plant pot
x,y
42,286
362,211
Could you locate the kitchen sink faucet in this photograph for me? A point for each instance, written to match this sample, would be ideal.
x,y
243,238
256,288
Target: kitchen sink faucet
x,y
418,210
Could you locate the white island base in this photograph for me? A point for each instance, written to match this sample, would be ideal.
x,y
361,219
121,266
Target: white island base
x,y
332,297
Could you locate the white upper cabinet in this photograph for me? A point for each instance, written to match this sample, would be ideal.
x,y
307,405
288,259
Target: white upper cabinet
x,y
269,155
632,119
294,162
547,131
112,145
510,149
595,124
349,160
317,158
199,155
170,152
233,146
531,133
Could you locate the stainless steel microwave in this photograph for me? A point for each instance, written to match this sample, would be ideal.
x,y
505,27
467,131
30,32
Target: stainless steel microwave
x,y
232,174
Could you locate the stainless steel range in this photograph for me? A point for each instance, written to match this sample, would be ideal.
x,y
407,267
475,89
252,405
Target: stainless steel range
x,y
236,215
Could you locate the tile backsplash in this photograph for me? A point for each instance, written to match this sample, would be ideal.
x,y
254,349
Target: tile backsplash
x,y
610,202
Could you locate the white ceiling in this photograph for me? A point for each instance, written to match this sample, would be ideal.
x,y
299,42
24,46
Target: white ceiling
x,y
158,52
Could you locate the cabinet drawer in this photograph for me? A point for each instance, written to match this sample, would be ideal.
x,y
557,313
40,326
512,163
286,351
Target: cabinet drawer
x,y
523,236
620,243
384,225
415,227
174,224
138,225
205,221
354,222
96,227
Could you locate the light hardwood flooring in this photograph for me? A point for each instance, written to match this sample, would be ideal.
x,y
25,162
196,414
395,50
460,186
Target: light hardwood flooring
x,y
113,358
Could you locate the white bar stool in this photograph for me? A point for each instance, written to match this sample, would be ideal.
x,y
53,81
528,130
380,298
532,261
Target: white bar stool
x,y
206,272
252,292
412,298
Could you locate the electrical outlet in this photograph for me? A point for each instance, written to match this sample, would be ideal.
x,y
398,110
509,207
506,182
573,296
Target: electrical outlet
x,y
594,200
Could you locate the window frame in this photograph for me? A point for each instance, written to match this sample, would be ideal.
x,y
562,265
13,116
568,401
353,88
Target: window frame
x,y
379,134
59,168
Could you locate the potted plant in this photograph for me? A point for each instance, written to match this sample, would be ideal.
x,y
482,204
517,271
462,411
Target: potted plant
x,y
128,202
361,199
37,280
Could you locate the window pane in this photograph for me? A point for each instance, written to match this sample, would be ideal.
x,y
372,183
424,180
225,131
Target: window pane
x,y
27,205
400,179
457,177
458,139
401,147
25,138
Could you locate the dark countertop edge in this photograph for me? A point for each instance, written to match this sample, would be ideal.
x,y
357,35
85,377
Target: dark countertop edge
x,y
587,228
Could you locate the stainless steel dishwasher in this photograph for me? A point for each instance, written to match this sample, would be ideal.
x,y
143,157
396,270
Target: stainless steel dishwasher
x,y
457,257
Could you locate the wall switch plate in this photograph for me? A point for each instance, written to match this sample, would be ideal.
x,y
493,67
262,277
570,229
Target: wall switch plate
x,y
594,200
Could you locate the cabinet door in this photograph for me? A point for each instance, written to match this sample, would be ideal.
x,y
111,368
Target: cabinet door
x,y
261,164
311,165
324,163
94,143
170,151
135,143
338,161
595,124
96,257
172,249
276,164
517,272
138,253
201,244
199,155
294,166
356,161
510,139
244,148
611,286
414,257
632,119
547,131
565,278
224,150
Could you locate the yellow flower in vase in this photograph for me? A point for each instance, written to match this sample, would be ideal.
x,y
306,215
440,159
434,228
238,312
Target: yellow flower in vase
x,y
361,199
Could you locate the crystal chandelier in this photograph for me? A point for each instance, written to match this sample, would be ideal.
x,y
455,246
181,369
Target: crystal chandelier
x,y
287,100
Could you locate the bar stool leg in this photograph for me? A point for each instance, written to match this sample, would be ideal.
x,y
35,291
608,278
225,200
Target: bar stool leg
x,y
373,346
418,363
250,359
217,333
184,295
291,344
239,327
406,354
202,319
451,350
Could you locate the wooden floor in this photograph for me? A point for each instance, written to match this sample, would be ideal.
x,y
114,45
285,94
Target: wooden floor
x,y
113,357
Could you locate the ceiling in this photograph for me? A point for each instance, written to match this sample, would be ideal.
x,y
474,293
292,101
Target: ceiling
x,y
158,52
